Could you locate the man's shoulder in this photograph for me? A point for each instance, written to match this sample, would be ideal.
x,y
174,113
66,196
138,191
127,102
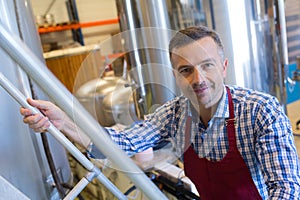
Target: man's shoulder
x,y
243,94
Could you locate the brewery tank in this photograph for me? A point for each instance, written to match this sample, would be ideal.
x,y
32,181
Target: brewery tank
x,y
24,166
253,33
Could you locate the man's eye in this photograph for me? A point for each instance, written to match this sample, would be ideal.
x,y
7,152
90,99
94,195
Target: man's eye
x,y
207,65
185,70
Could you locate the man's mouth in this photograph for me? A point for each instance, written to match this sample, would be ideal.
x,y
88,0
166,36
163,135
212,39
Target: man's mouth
x,y
200,90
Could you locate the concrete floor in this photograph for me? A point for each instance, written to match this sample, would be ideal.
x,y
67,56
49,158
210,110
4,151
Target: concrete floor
x,y
293,112
297,140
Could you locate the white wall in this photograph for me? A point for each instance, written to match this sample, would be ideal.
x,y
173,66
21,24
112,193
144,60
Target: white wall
x,y
88,11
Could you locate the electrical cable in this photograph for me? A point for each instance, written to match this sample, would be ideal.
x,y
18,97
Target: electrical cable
x,y
297,128
177,189
49,7
51,164
49,157
298,125
129,190
70,187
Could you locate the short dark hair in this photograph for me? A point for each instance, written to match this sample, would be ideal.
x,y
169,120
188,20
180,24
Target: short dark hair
x,y
192,34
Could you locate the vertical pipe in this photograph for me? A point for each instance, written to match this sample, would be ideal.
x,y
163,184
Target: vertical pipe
x,y
73,16
260,24
148,24
283,51
283,34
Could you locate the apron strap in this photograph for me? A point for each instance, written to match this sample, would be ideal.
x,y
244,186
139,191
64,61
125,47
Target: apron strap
x,y
230,122
187,132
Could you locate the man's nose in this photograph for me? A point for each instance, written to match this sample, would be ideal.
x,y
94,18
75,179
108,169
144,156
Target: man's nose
x,y
198,75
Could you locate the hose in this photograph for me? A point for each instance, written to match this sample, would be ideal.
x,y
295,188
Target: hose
x,y
51,164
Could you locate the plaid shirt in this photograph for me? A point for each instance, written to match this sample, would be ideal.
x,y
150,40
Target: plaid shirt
x,y
263,132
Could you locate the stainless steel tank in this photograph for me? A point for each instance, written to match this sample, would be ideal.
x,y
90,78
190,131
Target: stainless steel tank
x,y
108,100
92,93
253,33
146,31
23,160
118,106
147,26
254,37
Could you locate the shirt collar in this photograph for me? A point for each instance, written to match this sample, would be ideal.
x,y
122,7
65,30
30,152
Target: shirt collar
x,y
223,108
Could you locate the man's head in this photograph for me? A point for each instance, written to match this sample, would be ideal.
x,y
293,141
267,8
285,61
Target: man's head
x,y
197,56
192,34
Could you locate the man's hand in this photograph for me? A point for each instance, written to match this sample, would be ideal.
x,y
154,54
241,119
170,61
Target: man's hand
x,y
40,123
52,113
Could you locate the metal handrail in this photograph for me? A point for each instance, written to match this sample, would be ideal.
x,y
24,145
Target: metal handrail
x,y
94,171
37,70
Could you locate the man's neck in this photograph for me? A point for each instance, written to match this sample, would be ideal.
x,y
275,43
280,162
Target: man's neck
x,y
206,114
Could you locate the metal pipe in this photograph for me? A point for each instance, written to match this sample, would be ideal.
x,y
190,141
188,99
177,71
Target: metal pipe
x,y
80,186
283,34
36,69
21,99
283,52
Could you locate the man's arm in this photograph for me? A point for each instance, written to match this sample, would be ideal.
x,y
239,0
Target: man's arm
x,y
148,133
277,153
53,114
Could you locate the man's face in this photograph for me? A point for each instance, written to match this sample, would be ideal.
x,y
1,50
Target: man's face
x,y
200,71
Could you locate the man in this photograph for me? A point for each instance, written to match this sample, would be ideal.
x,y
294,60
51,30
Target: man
x,y
236,143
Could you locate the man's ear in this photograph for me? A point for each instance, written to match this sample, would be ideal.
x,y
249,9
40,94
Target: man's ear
x,y
225,65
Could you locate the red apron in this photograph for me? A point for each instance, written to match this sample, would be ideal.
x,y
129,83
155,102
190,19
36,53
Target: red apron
x,y
228,178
